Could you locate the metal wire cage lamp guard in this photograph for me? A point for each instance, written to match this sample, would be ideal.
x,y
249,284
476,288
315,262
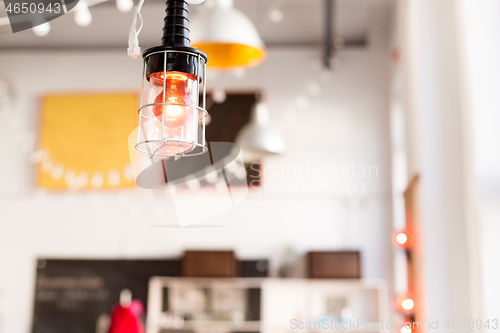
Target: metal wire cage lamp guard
x,y
173,97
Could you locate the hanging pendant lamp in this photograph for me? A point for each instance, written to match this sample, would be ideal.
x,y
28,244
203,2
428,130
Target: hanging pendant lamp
x,y
172,108
257,139
227,36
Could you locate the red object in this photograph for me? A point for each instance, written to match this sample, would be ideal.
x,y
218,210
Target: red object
x,y
126,319
175,86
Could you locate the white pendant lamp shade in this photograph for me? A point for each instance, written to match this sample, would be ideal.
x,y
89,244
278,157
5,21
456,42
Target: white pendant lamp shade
x,y
256,139
226,35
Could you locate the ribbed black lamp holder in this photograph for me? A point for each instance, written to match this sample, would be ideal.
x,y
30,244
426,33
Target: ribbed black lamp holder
x,y
180,57
176,24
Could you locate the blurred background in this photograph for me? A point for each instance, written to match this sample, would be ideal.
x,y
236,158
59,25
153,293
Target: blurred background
x,y
370,172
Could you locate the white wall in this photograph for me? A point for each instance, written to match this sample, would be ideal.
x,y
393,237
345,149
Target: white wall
x,y
347,124
481,21
455,78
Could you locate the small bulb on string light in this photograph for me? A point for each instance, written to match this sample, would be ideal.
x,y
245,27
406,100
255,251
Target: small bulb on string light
x,y
124,5
404,304
346,313
208,119
408,304
70,178
97,180
232,167
57,172
219,95
401,239
114,178
313,88
239,73
241,173
82,180
276,15
47,165
406,329
83,17
211,177
194,184
42,30
128,172
38,156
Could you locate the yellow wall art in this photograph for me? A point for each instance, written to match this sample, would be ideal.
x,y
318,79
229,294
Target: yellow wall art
x,y
83,140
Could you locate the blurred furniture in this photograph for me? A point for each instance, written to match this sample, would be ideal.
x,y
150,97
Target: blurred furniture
x,y
204,304
334,265
76,295
229,305
209,264
253,268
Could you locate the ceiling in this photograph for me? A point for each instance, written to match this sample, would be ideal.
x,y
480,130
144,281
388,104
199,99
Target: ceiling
x,y
303,24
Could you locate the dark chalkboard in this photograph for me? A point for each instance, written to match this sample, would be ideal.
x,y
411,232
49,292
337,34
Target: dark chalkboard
x,y
72,294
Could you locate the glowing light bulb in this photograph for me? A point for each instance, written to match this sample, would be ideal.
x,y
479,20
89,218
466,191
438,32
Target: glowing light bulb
x,y
174,116
83,17
407,304
401,238
406,329
276,15
42,30
124,5
176,88
404,303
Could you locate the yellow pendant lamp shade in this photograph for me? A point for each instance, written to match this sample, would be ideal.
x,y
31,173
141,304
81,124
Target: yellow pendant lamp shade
x,y
226,36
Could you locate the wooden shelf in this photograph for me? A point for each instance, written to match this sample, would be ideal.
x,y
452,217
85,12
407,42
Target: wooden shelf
x,y
221,325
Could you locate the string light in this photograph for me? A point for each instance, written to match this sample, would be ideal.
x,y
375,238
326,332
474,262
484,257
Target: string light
x,y
194,184
83,17
97,180
219,95
113,178
404,303
408,304
42,30
401,239
211,177
406,329
124,5
276,15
